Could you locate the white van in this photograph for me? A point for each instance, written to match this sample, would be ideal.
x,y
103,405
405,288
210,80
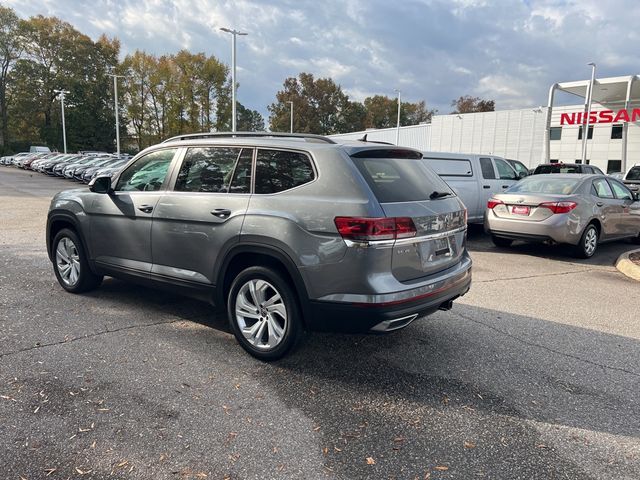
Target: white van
x,y
474,178
39,149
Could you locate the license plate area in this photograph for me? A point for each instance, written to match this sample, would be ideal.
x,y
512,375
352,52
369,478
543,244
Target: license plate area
x,y
520,210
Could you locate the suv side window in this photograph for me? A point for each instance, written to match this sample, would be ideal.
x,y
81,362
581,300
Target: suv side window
x,y
241,182
622,192
601,189
207,169
278,170
487,168
504,170
147,174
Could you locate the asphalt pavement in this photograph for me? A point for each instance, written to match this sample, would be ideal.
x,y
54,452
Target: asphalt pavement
x,y
534,374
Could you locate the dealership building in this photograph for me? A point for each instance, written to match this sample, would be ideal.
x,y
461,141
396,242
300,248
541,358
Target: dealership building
x,y
551,133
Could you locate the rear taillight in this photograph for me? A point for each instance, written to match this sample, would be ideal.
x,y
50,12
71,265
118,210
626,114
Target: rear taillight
x,y
494,202
364,228
559,207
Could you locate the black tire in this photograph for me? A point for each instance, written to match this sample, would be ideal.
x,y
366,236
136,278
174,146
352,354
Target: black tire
x,y
501,241
85,280
586,248
636,239
292,327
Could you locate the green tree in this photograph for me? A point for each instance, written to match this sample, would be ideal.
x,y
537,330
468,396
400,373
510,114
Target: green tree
x,y
382,112
320,106
11,48
60,57
249,120
469,104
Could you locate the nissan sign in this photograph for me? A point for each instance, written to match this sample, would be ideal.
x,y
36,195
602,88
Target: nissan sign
x,y
603,116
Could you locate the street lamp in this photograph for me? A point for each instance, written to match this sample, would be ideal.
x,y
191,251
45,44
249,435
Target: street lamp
x,y
62,93
233,73
291,115
585,127
398,123
115,107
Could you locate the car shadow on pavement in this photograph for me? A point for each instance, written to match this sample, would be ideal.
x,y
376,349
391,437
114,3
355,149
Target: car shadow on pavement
x,y
466,388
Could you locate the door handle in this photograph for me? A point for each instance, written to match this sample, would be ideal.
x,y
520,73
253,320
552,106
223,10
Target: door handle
x,y
145,208
486,187
599,204
221,212
505,186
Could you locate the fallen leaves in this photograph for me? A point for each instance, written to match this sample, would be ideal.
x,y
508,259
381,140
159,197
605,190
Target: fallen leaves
x,y
371,461
49,471
469,444
441,468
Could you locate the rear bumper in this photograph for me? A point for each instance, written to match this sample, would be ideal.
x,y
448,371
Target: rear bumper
x,y
560,228
383,313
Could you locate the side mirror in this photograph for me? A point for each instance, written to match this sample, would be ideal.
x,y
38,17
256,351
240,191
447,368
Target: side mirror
x,y
636,196
521,175
101,184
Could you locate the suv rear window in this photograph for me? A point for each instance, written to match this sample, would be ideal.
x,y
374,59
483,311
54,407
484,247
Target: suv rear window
x,y
557,168
400,180
633,174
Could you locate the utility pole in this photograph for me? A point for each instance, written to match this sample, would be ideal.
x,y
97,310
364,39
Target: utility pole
x,y
115,108
62,93
235,33
398,123
291,115
585,127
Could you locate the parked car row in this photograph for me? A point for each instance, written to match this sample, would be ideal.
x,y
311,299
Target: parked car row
x,y
81,167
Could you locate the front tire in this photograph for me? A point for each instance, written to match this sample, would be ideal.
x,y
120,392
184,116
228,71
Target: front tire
x,y
588,244
264,314
70,263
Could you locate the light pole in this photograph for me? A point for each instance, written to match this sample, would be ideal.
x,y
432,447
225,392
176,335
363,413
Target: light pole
x,y
235,33
62,93
115,108
398,123
291,115
585,127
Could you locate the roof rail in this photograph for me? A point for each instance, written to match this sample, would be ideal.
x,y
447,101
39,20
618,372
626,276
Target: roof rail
x,y
303,136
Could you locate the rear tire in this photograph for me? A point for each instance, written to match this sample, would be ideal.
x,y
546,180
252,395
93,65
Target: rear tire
x,y
501,241
70,263
588,244
264,314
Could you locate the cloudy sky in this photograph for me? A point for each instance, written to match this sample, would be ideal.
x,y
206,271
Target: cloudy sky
x,y
432,50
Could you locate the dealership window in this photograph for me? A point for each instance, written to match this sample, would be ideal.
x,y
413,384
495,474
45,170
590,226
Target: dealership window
x,y
614,166
616,132
578,160
553,160
555,133
589,135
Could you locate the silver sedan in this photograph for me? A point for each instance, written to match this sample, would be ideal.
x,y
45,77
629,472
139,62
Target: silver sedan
x,y
579,210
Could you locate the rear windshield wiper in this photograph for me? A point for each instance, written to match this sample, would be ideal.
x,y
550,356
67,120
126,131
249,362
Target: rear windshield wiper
x,y
437,194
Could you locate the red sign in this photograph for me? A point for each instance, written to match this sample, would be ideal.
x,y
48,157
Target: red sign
x,y
603,116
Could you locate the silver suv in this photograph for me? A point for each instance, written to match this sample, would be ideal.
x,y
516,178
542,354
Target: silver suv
x,y
288,232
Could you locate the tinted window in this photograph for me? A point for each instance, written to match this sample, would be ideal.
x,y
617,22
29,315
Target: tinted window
x,y
555,133
278,170
602,189
614,166
400,180
487,168
557,168
504,170
241,182
207,169
633,174
589,135
519,167
554,186
622,192
147,173
616,132
450,167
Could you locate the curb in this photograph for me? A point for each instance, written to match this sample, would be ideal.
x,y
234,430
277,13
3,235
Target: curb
x,y
627,267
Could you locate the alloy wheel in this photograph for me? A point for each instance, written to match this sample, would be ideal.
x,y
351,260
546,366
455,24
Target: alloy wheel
x,y
68,261
590,241
261,314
